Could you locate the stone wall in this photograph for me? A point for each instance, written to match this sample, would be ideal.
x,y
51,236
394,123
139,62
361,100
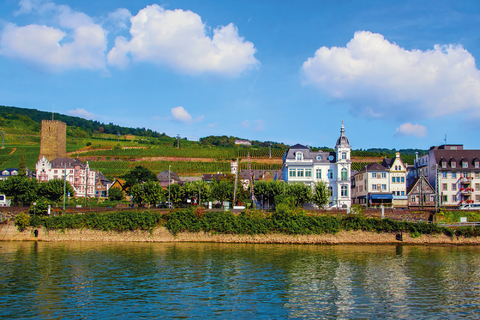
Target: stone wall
x,y
53,140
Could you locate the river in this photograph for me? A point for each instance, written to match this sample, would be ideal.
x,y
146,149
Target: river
x,y
92,280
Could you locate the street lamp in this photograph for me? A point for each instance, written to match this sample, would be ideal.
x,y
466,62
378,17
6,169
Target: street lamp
x,y
169,186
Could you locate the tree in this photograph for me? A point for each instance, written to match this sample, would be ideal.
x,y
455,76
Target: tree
x,y
22,166
321,194
22,189
138,175
300,192
153,192
53,189
222,191
138,196
176,193
260,189
115,194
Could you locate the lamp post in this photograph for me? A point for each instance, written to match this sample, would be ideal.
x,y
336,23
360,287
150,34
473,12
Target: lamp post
x,y
270,150
169,186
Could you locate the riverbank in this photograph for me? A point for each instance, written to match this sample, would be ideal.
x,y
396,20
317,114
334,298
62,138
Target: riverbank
x,y
9,232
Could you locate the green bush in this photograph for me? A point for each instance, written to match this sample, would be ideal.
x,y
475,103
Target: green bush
x,y
22,221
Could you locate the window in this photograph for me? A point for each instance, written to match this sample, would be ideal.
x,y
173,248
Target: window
x,y
477,186
344,174
444,198
444,187
291,172
454,198
444,175
319,157
477,175
319,173
330,174
374,174
454,187
454,175
454,164
393,179
402,179
299,172
330,189
403,193
299,156
374,187
444,164
477,164
477,198
308,172
54,171
344,155
384,187
384,174
464,164
396,167
344,191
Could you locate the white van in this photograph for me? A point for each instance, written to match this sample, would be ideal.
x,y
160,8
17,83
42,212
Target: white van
x,y
4,202
470,206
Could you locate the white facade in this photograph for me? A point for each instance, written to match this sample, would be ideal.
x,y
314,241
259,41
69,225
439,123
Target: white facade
x,y
301,165
75,171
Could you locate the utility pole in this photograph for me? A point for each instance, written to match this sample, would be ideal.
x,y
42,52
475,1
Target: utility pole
x,y
270,150
178,141
86,183
235,187
169,186
64,186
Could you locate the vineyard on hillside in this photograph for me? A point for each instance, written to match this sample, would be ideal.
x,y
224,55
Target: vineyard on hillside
x,y
192,152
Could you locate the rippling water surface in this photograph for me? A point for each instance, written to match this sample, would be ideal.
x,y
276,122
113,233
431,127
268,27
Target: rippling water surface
x,y
85,280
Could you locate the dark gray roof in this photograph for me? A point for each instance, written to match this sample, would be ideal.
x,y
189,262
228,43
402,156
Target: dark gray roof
x,y
163,176
457,156
373,167
60,163
343,140
310,155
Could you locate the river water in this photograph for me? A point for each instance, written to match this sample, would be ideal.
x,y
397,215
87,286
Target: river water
x,y
92,280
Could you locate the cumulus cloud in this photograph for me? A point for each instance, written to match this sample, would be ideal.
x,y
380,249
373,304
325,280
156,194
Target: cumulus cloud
x,y
379,79
120,17
181,115
47,47
177,38
408,129
82,113
245,124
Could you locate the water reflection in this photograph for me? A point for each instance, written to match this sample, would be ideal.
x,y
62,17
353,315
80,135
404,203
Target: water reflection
x,y
92,280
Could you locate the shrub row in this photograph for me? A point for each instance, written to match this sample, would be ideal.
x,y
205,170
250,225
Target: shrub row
x,y
247,222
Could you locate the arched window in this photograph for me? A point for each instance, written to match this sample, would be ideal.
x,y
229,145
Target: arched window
x,y
344,174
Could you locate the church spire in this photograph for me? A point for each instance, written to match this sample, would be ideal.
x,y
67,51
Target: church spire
x,y
343,140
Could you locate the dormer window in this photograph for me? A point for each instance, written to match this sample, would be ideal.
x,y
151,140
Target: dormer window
x,y
299,156
454,164
319,157
477,164
464,164
444,163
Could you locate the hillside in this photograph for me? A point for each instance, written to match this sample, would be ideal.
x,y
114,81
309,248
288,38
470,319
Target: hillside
x,y
115,154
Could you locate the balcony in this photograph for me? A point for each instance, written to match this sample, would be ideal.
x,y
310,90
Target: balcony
x,y
466,191
465,180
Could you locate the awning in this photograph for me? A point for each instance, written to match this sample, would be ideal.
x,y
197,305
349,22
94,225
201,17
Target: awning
x,y
386,196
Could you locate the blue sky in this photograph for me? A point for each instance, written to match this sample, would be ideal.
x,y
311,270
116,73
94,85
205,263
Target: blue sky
x,y
401,74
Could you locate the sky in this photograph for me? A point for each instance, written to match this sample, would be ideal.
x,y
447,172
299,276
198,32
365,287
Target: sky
x,y
399,74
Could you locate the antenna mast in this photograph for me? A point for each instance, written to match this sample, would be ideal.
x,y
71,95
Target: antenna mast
x,y
445,139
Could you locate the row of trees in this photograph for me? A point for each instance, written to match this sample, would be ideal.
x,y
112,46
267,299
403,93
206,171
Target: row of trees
x,y
24,191
271,193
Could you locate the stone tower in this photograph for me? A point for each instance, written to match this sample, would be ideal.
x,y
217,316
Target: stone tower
x,y
53,140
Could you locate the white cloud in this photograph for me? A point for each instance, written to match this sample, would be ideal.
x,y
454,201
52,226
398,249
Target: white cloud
x,y
46,47
259,125
408,129
181,115
80,112
213,125
379,79
245,124
120,17
178,39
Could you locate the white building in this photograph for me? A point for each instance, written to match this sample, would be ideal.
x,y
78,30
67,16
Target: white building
x,y
381,183
454,172
79,174
301,165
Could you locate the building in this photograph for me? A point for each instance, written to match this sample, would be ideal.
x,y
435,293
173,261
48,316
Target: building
x,y
453,171
301,165
243,142
79,174
371,185
398,179
8,172
164,178
421,193
102,184
384,183
53,140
